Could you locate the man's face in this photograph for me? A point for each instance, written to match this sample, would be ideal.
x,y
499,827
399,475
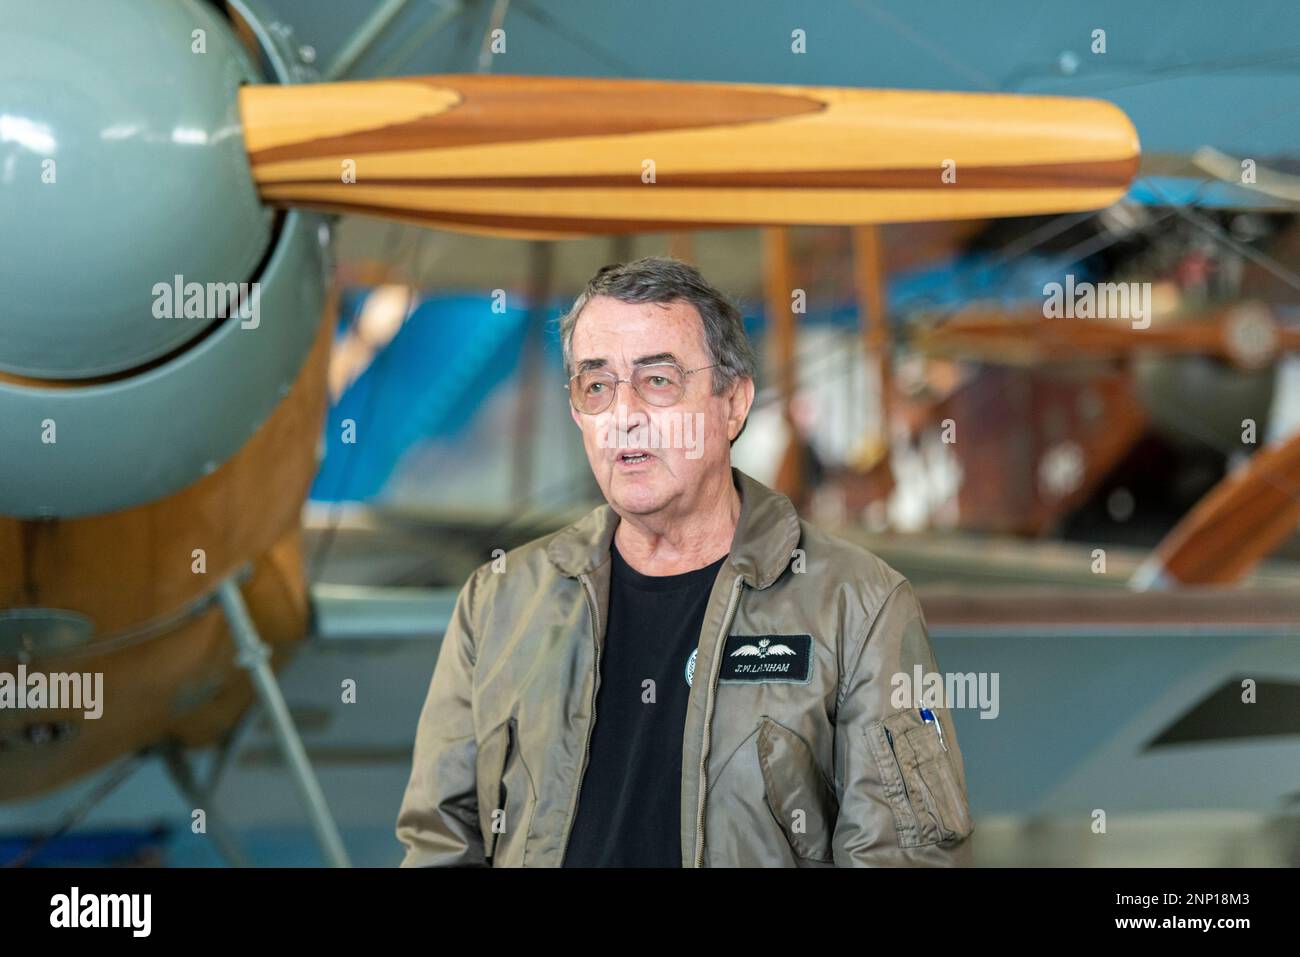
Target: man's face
x,y
651,460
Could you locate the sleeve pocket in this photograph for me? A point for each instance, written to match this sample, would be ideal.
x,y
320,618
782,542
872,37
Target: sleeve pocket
x,y
920,780
798,795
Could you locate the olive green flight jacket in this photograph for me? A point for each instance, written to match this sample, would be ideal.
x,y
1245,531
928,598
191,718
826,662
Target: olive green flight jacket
x,y
790,759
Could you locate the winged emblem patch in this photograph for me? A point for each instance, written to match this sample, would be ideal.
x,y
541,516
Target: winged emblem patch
x,y
755,658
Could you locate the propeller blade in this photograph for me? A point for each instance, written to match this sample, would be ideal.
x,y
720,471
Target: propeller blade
x,y
1239,523
561,156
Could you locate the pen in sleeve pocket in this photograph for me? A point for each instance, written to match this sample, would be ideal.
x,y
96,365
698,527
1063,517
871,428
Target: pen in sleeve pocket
x,y
928,716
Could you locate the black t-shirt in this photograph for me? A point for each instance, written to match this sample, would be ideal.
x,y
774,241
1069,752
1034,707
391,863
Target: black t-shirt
x,y
629,808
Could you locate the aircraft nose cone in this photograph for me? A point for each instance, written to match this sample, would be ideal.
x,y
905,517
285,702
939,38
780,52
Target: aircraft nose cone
x,y
122,167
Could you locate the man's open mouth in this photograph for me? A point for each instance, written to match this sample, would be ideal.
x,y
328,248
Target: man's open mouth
x,y
634,458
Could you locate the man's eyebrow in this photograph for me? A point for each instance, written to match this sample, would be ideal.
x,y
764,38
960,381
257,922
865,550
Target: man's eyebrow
x,y
655,359
586,365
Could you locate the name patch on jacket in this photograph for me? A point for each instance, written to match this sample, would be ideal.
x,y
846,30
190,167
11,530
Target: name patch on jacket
x,y
767,658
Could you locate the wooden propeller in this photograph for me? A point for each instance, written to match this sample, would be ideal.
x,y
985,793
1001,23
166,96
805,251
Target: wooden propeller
x,y
1247,515
560,156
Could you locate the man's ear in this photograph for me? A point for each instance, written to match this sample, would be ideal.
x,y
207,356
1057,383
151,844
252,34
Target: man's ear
x,y
742,397
573,414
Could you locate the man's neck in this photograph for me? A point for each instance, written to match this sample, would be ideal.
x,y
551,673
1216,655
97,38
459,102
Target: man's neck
x,y
657,547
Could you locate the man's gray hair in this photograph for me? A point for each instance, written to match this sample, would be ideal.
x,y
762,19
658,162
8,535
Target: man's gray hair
x,y
663,279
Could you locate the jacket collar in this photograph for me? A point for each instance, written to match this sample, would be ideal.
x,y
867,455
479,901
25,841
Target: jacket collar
x,y
766,535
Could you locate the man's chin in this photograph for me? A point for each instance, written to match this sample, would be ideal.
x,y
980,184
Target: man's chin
x,y
637,496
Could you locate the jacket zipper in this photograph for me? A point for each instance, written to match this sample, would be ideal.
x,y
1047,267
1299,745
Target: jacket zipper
x,y
720,645
898,764
591,724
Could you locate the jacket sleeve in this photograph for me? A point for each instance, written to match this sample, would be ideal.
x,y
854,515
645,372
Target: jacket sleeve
x,y
439,820
902,788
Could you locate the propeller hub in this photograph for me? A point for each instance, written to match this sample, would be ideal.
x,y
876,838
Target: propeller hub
x,y
1250,336
123,180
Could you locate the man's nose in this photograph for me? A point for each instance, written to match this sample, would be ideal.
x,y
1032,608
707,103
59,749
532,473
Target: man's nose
x,y
630,399
632,412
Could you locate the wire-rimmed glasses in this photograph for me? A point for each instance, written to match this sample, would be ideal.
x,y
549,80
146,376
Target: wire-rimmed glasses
x,y
660,384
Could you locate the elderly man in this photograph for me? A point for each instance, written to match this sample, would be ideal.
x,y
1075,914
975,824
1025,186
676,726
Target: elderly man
x,y
690,675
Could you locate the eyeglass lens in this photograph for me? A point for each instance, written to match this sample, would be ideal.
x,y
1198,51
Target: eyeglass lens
x,y
660,385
